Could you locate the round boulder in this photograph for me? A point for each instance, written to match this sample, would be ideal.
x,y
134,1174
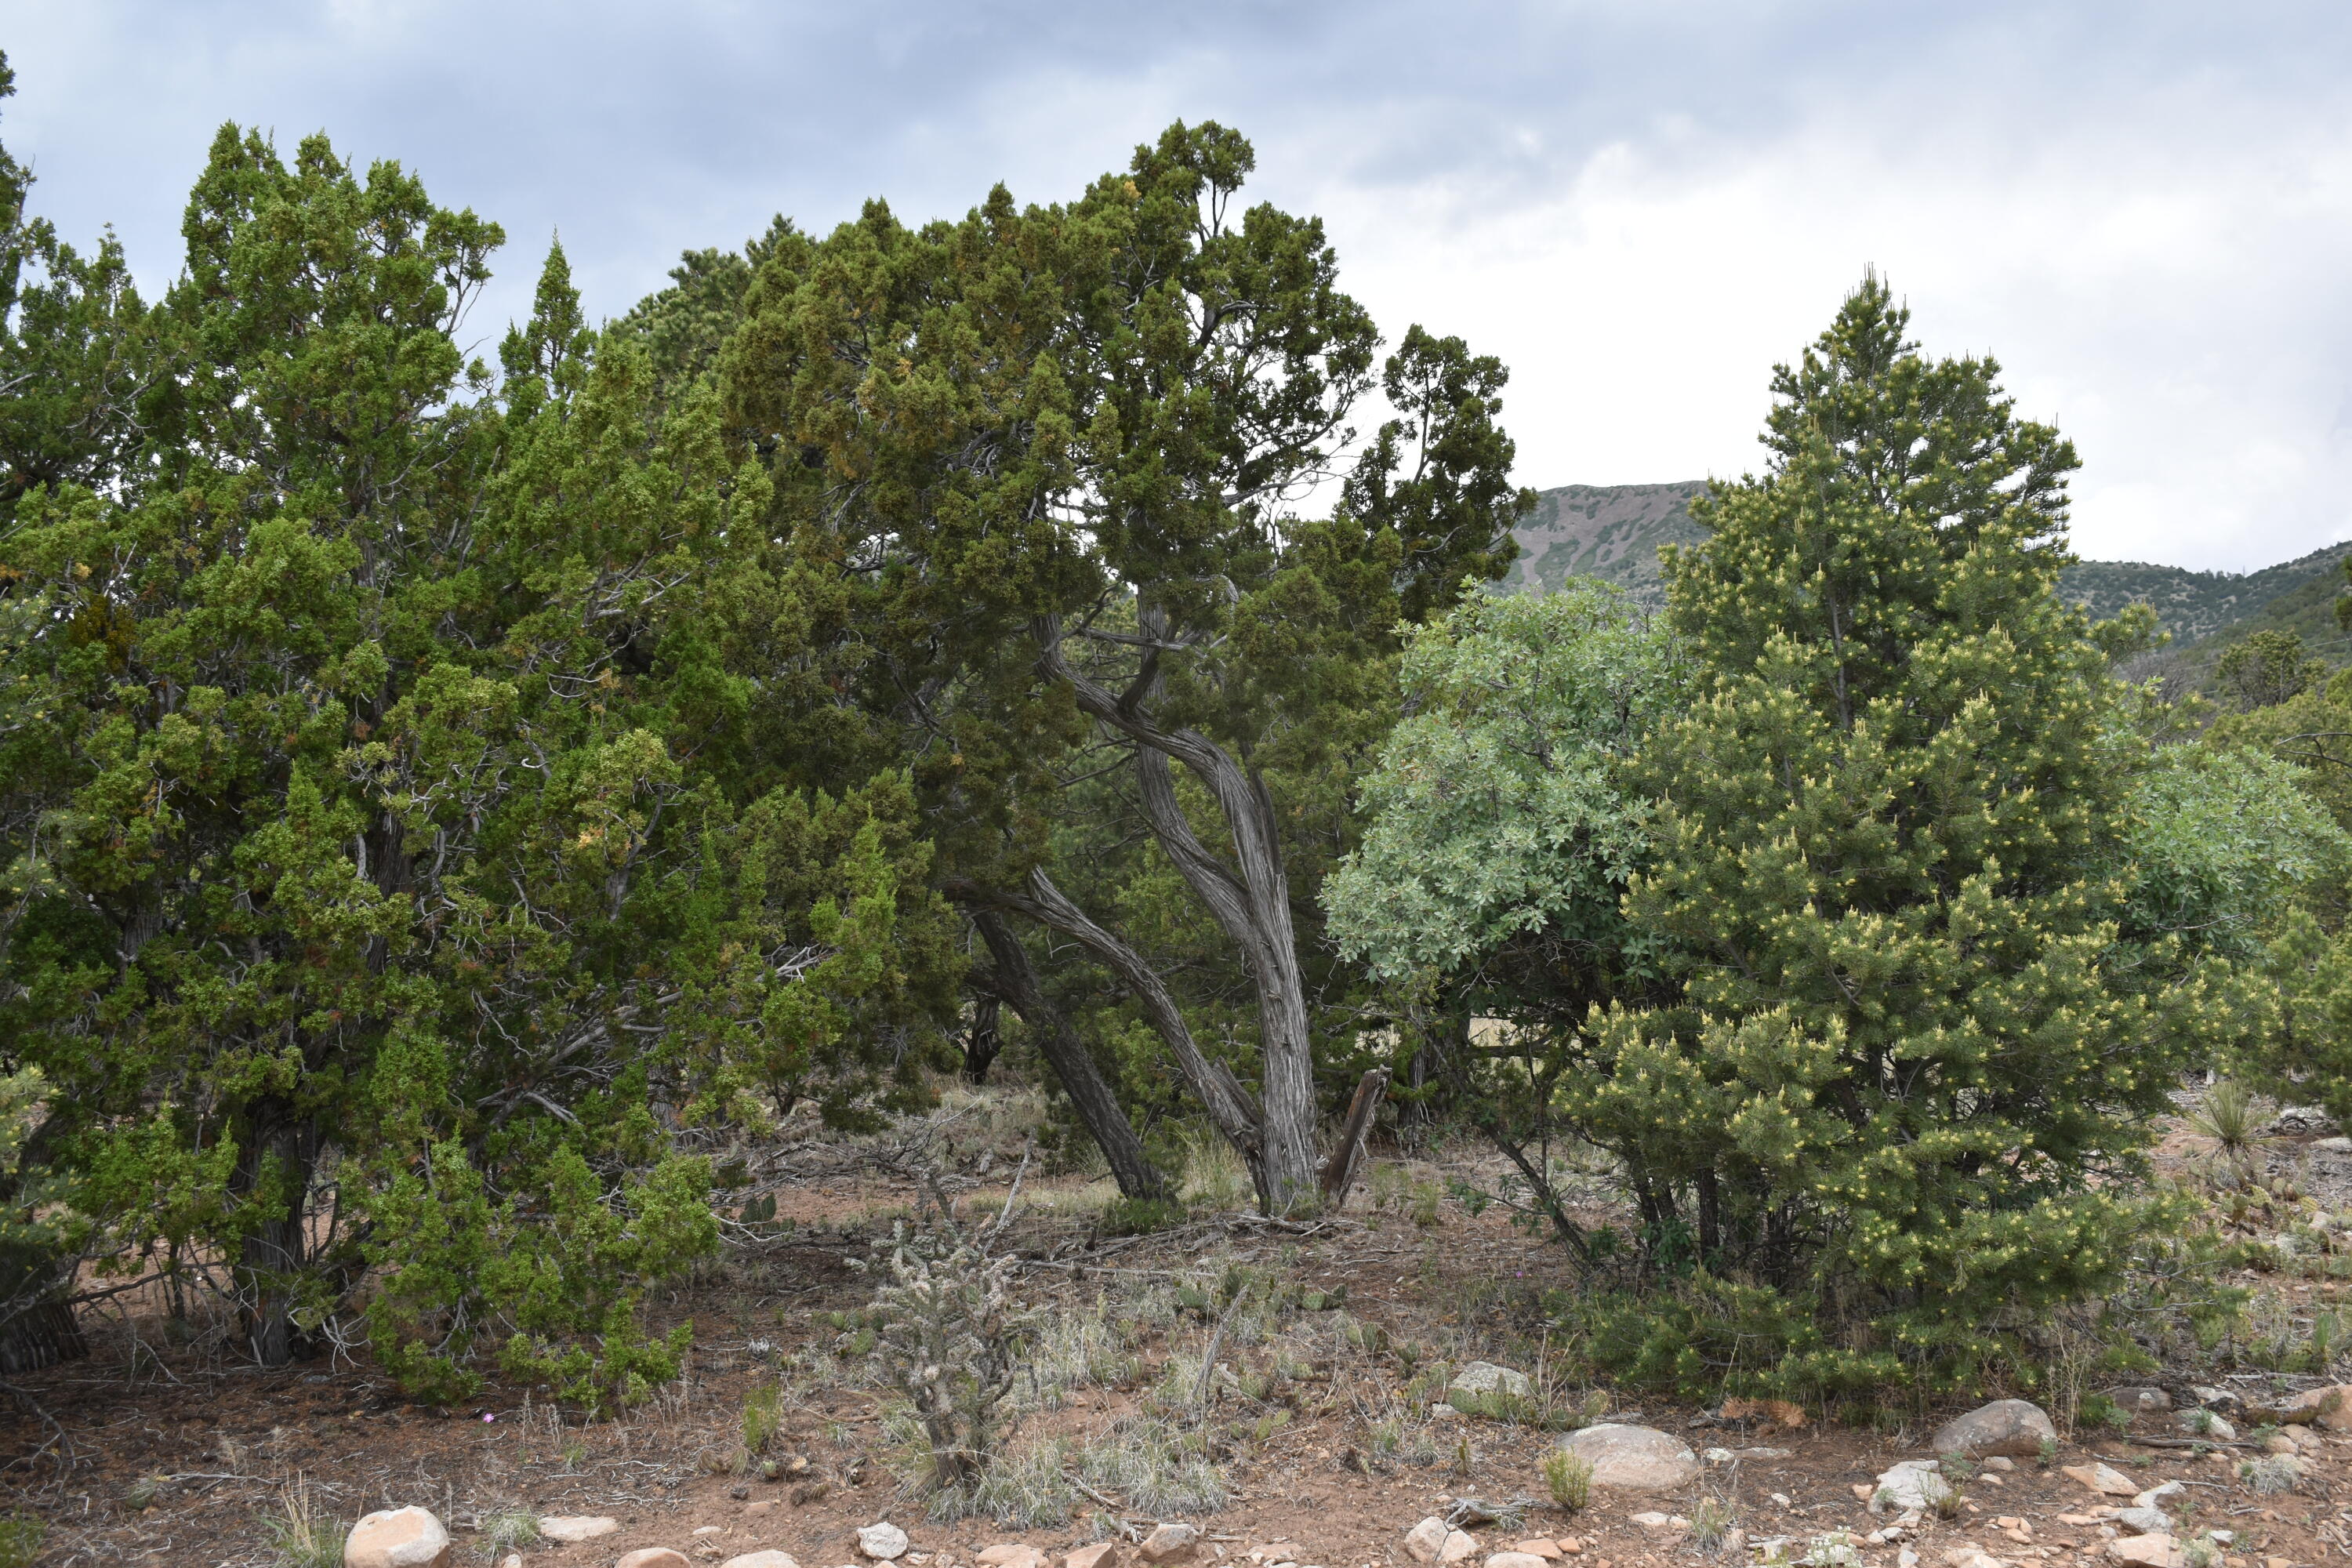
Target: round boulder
x,y
1174,1542
398,1538
1633,1458
2011,1426
883,1542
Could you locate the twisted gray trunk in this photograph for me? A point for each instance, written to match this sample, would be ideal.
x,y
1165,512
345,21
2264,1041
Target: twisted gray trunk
x,y
1012,979
1249,900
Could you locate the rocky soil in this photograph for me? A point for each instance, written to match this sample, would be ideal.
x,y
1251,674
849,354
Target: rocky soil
x,y
162,1449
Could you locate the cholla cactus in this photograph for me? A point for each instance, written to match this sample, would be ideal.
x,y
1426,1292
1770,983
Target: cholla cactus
x,y
948,1336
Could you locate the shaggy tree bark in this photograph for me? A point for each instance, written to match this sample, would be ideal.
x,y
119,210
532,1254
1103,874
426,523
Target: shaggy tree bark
x,y
1012,979
983,1041
1249,899
284,1149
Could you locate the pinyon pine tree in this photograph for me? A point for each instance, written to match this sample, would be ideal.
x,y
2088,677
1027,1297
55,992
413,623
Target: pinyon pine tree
x,y
1907,1045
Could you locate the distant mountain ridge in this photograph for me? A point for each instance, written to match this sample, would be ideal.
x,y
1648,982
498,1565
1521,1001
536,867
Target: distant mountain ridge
x,y
1613,532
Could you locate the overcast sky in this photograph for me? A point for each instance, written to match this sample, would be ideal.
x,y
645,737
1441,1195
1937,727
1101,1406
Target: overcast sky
x,y
2142,209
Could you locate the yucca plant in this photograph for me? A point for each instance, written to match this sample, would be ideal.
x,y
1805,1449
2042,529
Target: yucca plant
x,y
2227,1117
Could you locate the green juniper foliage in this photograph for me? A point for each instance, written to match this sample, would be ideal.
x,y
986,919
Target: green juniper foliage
x,y
386,881
1035,467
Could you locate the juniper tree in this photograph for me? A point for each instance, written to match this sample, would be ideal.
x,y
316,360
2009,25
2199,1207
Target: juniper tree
x,y
2266,669
1081,426
379,891
77,354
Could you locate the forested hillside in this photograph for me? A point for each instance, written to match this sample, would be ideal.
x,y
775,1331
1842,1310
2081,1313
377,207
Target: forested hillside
x,y
1609,531
1613,532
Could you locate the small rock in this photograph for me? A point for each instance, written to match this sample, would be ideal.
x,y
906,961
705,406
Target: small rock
x,y
1762,1453
2295,1120
2154,1497
2102,1478
398,1538
2156,1549
1972,1557
771,1558
2279,1442
1014,1554
2000,1462
514,1560
1913,1484
2337,1146
2213,1398
883,1542
1171,1543
1712,1456
1481,1377
1101,1554
2139,1399
572,1528
1542,1546
2146,1520
2014,1426
1633,1458
1434,1541
1906,1558
1516,1560
1656,1520
1444,1413
650,1557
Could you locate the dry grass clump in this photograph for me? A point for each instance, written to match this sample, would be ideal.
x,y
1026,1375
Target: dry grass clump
x,y
301,1535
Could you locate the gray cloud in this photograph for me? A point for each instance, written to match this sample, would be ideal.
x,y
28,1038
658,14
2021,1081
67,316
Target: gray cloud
x,y
2144,209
